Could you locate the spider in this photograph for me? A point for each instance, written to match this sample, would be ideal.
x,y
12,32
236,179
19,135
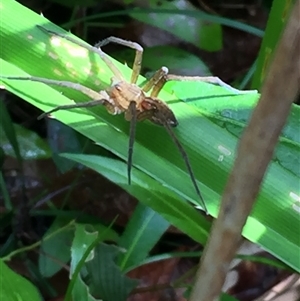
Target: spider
x,y
129,98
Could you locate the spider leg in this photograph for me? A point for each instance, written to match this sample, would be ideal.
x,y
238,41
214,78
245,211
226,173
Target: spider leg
x,y
136,68
208,79
146,115
163,78
103,55
155,81
131,114
186,161
91,103
98,98
87,91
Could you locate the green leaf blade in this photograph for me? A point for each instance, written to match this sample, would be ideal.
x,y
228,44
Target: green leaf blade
x,y
209,140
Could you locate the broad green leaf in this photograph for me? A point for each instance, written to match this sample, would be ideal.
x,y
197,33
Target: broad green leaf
x,y
107,280
142,232
234,116
208,142
15,287
82,241
94,261
56,250
159,198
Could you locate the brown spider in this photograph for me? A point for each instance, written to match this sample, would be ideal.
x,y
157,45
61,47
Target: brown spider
x,y
130,99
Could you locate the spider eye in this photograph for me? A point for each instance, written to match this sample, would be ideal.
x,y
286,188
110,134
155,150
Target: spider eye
x,y
147,106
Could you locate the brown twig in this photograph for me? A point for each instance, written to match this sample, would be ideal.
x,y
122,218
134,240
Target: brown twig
x,y
253,156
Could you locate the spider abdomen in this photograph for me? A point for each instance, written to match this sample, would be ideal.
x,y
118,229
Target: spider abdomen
x,y
160,111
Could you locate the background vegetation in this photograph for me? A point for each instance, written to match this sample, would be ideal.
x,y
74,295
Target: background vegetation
x,y
64,182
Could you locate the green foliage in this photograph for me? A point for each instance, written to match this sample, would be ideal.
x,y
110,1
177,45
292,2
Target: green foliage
x,y
142,232
30,145
56,247
107,279
277,18
209,143
15,287
159,198
195,30
96,263
211,122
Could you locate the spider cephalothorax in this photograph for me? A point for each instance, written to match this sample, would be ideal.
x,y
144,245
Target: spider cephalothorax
x,y
151,108
128,98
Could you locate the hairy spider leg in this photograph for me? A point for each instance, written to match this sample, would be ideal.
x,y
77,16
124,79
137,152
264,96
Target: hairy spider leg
x,y
134,77
84,90
187,163
155,81
139,51
86,104
117,74
161,76
98,51
207,79
137,64
131,115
